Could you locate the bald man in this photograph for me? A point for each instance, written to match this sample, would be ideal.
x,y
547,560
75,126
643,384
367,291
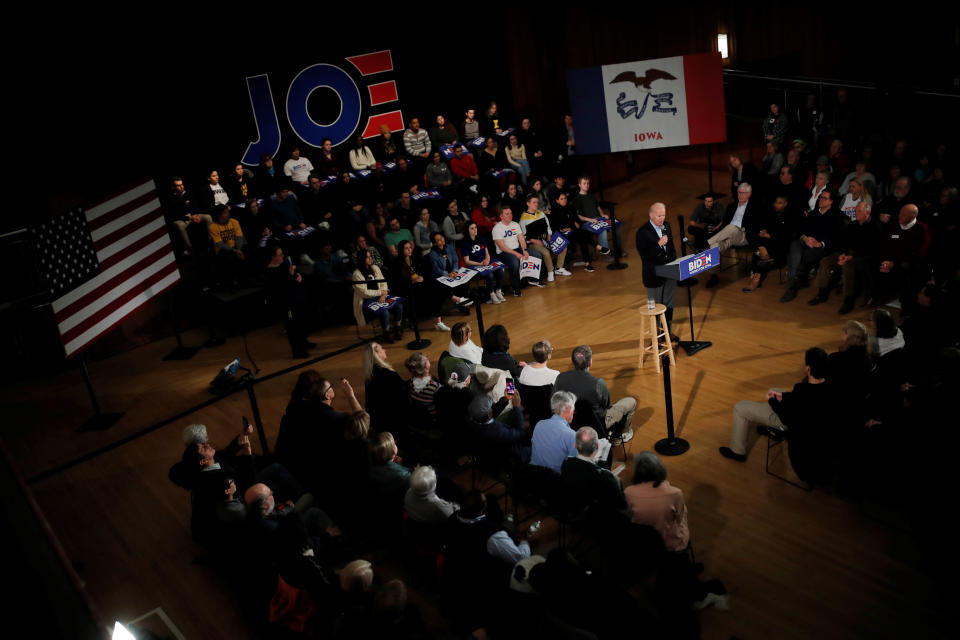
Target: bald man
x,y
655,246
902,268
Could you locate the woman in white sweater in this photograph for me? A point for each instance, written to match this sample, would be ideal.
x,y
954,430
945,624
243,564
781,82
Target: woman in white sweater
x,y
361,157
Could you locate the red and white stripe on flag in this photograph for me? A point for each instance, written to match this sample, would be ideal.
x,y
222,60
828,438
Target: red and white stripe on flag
x,y
136,263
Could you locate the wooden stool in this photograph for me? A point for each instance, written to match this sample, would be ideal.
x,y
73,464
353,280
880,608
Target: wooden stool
x,y
650,330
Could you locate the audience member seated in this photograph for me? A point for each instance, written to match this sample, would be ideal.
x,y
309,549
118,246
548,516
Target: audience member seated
x,y
461,346
773,235
512,248
422,503
410,283
811,402
396,235
388,480
385,149
589,486
439,175
499,446
295,538
423,386
654,502
554,440
416,142
266,179
364,290
739,223
706,215
328,162
286,213
485,216
537,373
239,184
855,256
887,337
465,169
902,255
228,243
594,391
452,401
817,233
473,253
513,197
213,196
496,345
297,169
537,231
516,155
423,231
183,214
361,157
443,261
480,554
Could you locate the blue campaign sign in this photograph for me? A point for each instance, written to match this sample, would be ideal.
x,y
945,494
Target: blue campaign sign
x,y
689,266
373,305
495,265
601,225
429,194
477,142
558,242
692,265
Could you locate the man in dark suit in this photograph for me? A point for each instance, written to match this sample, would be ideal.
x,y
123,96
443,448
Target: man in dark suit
x,y
739,223
589,486
655,246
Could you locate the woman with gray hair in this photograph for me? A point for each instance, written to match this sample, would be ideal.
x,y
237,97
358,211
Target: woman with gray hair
x,y
422,503
654,502
422,386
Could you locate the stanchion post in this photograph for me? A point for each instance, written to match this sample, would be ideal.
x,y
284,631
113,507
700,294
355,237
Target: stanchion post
x,y
671,445
417,343
255,409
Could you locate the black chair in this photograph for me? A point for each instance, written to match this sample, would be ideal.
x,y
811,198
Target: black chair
x,y
536,400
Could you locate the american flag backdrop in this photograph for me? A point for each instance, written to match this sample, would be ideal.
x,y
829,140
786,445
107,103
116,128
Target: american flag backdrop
x,y
105,262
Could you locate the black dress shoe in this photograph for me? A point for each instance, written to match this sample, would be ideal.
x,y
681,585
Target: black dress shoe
x,y
817,300
727,452
788,295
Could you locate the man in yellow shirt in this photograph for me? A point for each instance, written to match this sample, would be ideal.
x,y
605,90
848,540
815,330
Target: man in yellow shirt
x,y
228,243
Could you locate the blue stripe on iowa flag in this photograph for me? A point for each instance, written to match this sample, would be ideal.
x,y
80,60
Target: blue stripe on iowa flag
x,y
66,252
588,110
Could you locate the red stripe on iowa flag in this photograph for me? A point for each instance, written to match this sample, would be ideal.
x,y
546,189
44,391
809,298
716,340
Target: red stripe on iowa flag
x,y
703,84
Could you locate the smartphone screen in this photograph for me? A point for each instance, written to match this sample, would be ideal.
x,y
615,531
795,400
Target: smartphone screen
x,y
511,389
246,424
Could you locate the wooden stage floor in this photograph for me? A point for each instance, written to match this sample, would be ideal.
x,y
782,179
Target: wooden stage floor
x,y
796,564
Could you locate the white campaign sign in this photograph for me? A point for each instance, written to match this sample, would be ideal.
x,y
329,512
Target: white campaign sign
x,y
530,268
463,275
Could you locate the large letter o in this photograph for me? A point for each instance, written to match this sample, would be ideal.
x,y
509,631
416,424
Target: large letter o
x,y
311,78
